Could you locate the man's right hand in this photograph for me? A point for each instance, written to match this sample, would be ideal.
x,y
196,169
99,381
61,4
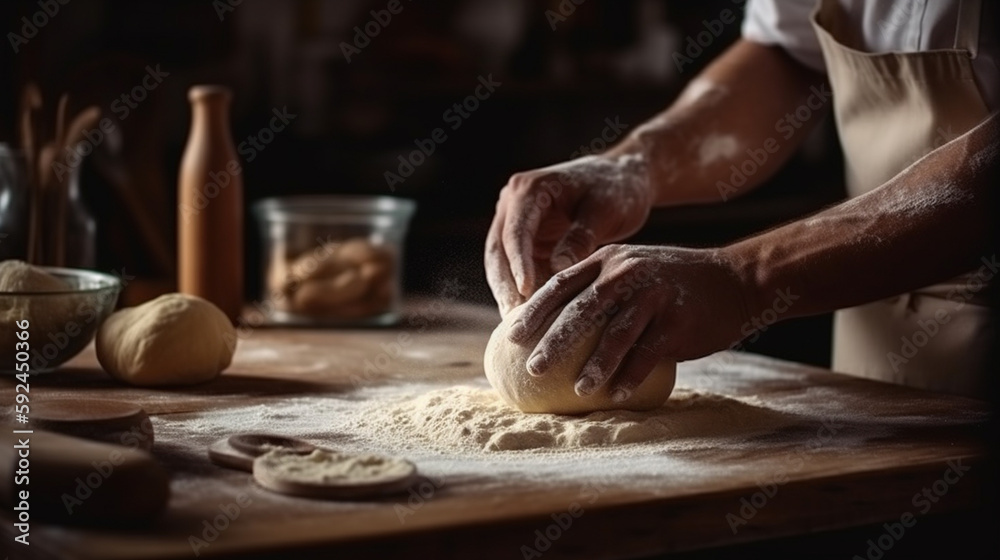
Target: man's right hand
x,y
551,218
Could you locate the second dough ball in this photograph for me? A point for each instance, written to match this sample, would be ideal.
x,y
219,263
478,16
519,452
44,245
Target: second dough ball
x,y
554,392
175,339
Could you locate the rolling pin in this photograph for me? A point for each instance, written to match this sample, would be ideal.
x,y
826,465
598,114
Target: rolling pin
x,y
79,482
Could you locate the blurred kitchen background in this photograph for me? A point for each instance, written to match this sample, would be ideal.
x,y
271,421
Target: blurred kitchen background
x,y
566,69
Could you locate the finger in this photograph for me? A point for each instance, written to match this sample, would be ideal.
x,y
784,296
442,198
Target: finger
x,y
519,232
621,334
637,365
498,274
559,290
581,319
581,239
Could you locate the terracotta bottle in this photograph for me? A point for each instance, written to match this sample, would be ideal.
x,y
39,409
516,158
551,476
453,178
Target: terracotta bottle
x,y
210,205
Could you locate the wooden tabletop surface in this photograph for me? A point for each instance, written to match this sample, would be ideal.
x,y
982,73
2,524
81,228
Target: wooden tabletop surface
x,y
856,452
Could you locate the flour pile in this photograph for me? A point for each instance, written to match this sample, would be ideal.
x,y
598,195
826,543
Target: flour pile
x,y
464,419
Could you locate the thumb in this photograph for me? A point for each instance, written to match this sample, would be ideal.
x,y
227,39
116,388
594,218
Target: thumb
x,y
578,243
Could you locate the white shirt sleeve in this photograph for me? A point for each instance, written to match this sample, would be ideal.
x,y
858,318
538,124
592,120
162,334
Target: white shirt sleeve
x,y
787,24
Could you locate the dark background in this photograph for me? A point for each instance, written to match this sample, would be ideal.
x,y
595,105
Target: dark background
x,y
606,60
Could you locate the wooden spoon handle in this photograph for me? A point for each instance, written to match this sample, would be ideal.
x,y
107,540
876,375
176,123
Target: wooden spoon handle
x,y
81,122
61,119
86,119
31,100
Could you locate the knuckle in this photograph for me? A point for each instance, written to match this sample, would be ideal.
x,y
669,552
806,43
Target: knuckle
x,y
605,252
559,280
507,191
522,182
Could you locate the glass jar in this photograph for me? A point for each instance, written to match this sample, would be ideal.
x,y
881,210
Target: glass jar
x,y
15,208
333,260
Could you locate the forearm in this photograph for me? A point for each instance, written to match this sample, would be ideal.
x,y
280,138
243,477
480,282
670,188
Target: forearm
x,y
927,224
731,129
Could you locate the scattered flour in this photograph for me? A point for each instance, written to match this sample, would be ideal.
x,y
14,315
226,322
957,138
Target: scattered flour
x,y
623,180
892,200
471,420
461,434
717,147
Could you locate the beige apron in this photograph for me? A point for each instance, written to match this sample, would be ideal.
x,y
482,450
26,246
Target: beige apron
x,y
891,109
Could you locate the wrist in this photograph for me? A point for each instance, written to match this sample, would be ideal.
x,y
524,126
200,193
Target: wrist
x,y
743,263
627,170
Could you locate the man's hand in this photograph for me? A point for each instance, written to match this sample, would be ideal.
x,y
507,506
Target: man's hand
x,y
549,219
649,303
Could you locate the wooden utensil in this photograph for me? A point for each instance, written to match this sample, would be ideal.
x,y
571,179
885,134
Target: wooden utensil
x,y
61,119
81,482
223,454
31,101
86,119
259,444
83,121
46,158
240,450
109,421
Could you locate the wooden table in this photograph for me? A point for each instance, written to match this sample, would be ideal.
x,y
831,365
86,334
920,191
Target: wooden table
x,y
844,480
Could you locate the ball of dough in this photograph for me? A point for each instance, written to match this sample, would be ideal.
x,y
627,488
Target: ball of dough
x,y
553,392
47,314
175,339
19,276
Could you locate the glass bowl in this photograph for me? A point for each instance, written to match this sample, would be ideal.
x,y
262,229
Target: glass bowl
x,y
333,260
60,324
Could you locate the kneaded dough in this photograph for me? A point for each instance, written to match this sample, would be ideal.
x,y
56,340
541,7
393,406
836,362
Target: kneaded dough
x,y
175,339
19,276
553,392
47,315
